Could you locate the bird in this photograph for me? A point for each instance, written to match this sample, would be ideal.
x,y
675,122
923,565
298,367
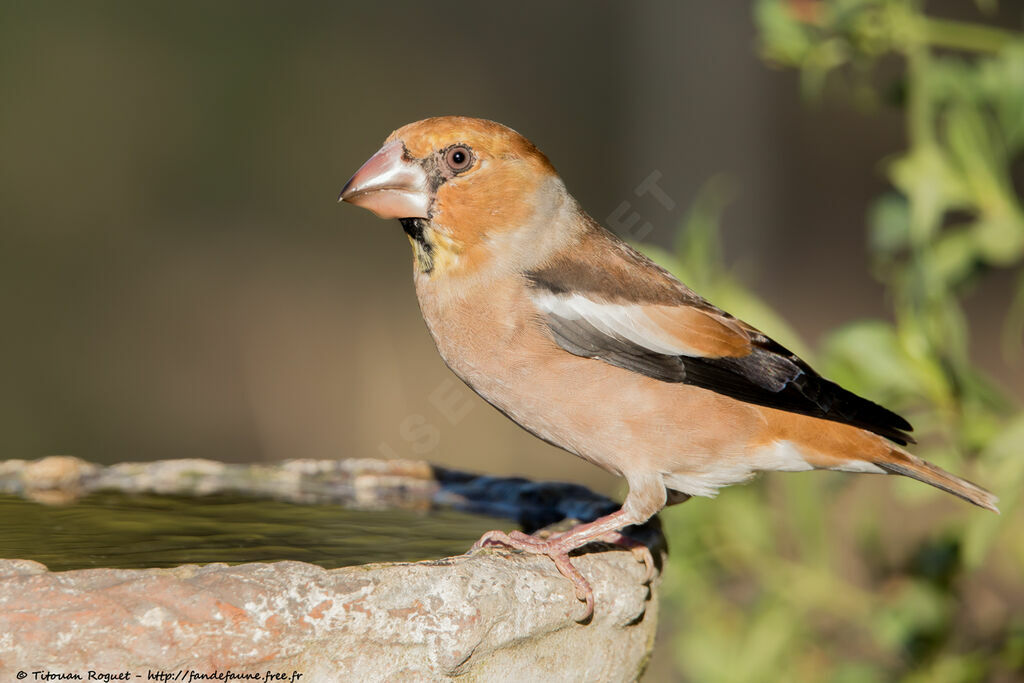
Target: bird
x,y
592,347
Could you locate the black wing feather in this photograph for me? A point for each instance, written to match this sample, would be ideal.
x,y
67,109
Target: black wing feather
x,y
770,375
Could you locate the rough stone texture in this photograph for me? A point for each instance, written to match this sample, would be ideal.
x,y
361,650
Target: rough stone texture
x,y
489,616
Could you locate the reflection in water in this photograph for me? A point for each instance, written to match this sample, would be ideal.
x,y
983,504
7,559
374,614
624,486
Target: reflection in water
x,y
137,531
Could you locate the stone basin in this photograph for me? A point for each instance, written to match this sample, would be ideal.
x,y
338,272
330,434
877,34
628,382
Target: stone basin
x,y
491,615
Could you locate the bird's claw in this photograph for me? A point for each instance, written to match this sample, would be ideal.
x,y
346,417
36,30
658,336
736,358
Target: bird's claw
x,y
558,548
640,551
517,540
522,537
495,538
580,584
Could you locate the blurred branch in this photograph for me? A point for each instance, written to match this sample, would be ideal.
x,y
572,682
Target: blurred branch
x,y
960,35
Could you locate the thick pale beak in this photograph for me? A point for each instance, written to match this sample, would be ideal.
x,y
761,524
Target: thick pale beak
x,y
389,185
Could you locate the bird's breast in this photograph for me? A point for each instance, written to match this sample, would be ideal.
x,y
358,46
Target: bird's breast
x,y
491,337
484,332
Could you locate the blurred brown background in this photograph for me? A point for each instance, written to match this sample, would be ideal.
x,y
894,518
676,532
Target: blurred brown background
x,y
178,281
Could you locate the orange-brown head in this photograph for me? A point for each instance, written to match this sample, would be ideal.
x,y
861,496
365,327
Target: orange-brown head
x,y
457,184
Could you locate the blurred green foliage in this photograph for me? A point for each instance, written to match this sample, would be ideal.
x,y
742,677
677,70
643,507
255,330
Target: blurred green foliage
x,y
841,578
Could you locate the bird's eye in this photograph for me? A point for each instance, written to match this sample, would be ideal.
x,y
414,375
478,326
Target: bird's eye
x,y
458,158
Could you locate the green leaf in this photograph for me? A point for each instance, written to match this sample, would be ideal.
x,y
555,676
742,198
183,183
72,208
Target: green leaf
x,y
931,187
953,257
1002,81
783,39
889,219
868,357
976,156
1003,465
1013,328
1000,241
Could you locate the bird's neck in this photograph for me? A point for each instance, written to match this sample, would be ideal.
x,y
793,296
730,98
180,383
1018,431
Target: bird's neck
x,y
464,259
423,249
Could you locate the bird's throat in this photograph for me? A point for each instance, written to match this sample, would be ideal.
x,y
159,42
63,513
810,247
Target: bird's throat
x,y
437,253
423,250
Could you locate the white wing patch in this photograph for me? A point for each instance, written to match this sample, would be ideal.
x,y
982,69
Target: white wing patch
x,y
620,321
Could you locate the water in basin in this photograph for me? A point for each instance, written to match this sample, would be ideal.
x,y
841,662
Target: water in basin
x,y
137,531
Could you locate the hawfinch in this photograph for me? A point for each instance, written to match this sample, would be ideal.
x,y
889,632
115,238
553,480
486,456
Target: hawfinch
x,y
590,346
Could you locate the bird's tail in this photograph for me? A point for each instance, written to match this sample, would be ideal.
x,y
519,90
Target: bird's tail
x,y
901,462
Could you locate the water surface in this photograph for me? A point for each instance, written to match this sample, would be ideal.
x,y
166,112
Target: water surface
x,y
137,531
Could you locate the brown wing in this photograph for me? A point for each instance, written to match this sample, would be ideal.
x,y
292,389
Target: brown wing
x,y
619,307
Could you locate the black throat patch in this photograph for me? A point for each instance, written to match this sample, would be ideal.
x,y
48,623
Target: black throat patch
x,y
416,229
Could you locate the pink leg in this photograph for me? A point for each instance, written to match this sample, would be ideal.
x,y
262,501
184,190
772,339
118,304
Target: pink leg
x,y
558,547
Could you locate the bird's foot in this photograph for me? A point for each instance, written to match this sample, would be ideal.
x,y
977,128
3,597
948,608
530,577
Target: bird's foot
x,y
558,553
558,548
640,551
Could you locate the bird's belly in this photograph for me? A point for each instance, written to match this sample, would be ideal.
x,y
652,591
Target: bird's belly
x,y
621,421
